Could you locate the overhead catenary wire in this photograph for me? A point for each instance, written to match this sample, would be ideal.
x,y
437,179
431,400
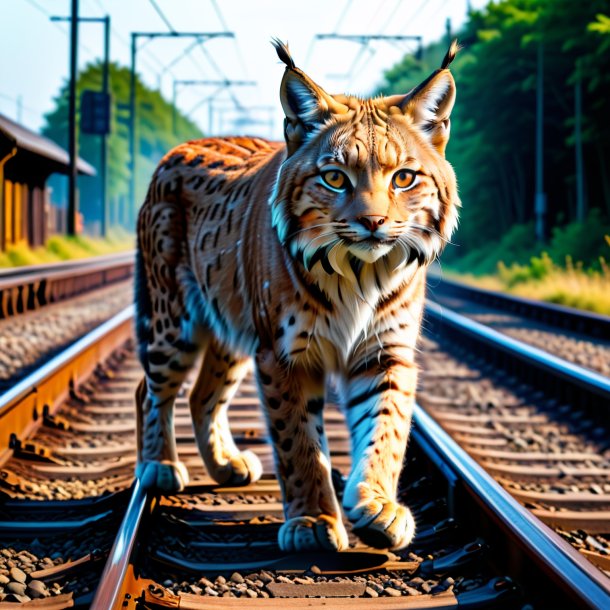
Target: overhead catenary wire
x,y
60,27
200,44
407,26
124,42
162,15
224,25
180,57
338,24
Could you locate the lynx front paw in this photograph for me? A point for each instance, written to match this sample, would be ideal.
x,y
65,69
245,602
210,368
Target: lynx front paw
x,y
242,469
321,533
166,477
382,523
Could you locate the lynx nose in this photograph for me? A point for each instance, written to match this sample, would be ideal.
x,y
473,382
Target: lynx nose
x,y
372,223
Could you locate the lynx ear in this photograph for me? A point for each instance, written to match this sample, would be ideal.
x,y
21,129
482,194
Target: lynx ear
x,y
306,105
429,105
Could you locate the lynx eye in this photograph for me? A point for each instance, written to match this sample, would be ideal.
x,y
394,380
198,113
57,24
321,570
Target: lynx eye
x,y
335,179
404,179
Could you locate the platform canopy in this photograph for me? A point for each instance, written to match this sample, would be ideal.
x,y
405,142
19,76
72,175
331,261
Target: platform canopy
x,y
35,153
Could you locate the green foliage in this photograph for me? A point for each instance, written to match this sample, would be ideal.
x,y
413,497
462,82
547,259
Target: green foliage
x,y
155,137
517,257
61,248
582,241
516,245
492,143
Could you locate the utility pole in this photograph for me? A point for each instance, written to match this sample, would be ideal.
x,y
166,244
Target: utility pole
x,y
104,143
202,37
540,200
106,90
581,209
222,84
72,141
448,30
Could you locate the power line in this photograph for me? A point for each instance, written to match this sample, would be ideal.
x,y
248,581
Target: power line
x,y
162,15
414,15
342,16
378,11
46,13
392,15
120,39
15,100
224,25
180,57
335,30
40,8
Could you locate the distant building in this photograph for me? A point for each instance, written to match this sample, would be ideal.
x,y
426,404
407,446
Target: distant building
x,y
27,159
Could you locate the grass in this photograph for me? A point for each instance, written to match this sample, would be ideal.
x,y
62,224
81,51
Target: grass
x,y
517,264
61,248
571,285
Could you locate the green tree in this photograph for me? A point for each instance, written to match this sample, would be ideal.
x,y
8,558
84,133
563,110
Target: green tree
x,y
155,138
492,145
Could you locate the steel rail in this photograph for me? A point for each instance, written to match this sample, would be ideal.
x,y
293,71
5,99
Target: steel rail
x,y
589,385
588,323
82,263
23,406
26,289
581,579
110,590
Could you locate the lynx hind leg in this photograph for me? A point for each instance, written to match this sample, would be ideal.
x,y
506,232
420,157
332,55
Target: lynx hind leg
x,y
158,466
218,380
168,348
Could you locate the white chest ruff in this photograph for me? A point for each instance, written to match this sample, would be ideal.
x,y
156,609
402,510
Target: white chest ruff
x,y
334,337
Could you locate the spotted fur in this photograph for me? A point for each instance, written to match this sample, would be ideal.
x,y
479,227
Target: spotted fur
x,y
248,250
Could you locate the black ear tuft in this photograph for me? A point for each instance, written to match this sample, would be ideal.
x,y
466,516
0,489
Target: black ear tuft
x,y
451,53
283,52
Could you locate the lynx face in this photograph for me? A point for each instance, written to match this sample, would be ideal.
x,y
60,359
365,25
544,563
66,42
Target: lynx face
x,y
365,179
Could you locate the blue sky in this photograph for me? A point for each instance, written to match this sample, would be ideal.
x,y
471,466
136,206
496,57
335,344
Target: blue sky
x,y
35,51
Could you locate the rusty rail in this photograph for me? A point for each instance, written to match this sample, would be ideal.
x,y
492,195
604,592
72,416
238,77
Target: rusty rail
x,y
23,407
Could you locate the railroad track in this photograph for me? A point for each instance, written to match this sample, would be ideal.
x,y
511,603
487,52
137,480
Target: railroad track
x,y
580,337
65,490
45,308
29,288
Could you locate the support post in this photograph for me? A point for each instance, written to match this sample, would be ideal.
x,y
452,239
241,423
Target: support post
x,y
132,135
540,200
174,116
72,136
104,142
200,36
581,208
